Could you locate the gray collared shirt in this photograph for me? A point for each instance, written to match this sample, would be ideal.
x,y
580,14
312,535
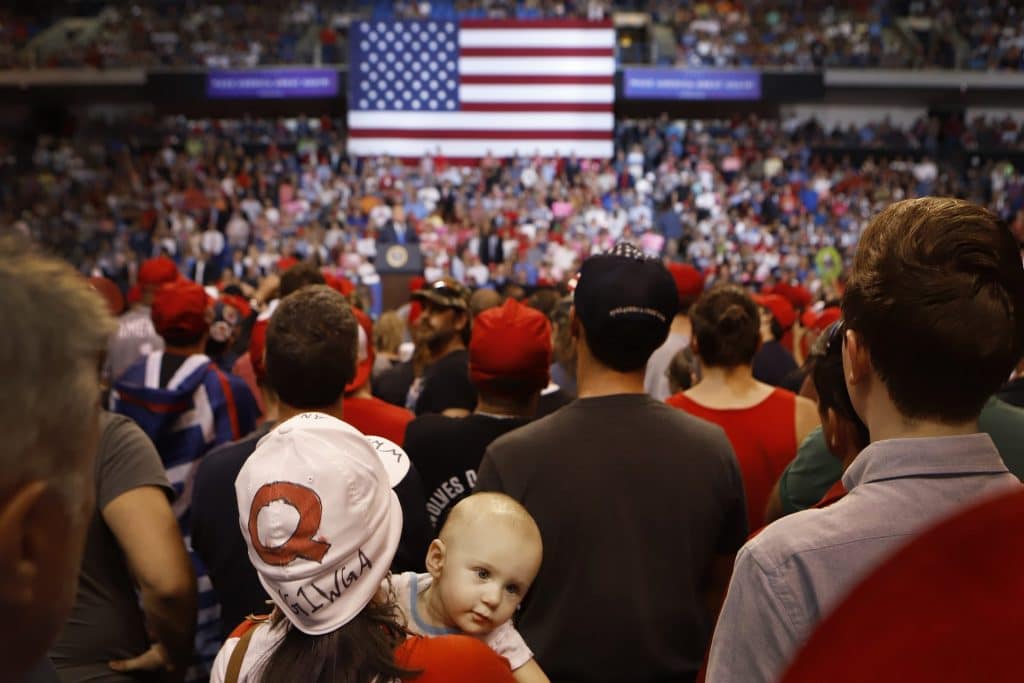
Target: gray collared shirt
x,y
797,569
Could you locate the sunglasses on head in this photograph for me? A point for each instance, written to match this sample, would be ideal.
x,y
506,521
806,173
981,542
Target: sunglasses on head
x,y
443,288
836,335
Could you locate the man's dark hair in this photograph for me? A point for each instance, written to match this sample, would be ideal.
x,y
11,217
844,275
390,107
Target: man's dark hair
x,y
299,276
937,294
312,341
727,326
512,393
178,336
776,327
625,347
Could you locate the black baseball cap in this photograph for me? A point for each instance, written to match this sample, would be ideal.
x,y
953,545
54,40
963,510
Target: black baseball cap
x,y
623,292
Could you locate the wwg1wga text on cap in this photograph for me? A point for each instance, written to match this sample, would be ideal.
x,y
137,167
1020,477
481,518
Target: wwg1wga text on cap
x,y
319,518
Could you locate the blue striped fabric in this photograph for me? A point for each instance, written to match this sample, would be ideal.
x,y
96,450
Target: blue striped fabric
x,y
185,420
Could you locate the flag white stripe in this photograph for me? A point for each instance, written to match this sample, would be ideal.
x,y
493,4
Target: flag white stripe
x,y
471,120
601,94
589,149
537,66
537,37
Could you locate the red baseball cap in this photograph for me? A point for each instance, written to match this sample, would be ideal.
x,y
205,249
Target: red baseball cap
x,y
365,354
180,308
689,281
511,341
781,308
238,303
257,345
817,322
110,293
157,271
820,320
416,283
797,295
286,262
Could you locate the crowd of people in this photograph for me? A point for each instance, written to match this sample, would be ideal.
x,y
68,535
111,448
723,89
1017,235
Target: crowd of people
x,y
743,200
727,34
811,35
181,34
994,32
279,487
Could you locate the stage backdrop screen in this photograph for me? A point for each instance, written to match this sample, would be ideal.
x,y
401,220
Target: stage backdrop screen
x,y
682,84
272,84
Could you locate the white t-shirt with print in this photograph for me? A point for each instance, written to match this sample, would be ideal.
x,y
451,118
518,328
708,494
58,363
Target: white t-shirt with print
x,y
504,640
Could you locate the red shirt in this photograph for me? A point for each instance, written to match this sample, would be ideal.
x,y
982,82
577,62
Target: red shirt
x,y
764,438
375,417
453,659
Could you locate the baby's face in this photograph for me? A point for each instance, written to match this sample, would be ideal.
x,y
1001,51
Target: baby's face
x,y
487,570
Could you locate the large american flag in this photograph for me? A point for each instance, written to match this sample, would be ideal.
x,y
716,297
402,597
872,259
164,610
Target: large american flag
x,y
466,89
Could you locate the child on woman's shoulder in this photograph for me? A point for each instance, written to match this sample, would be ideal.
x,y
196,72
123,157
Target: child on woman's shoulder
x,y
479,568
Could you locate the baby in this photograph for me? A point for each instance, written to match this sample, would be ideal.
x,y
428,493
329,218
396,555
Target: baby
x,y
479,568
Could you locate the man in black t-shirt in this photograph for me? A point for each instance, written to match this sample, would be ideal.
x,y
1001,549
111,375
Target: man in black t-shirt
x,y
509,357
445,327
641,508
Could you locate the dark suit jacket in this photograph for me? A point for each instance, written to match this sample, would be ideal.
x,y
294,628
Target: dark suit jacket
x,y
491,249
211,271
388,234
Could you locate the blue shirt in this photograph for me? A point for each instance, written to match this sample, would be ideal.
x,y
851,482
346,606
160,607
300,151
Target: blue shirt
x,y
787,577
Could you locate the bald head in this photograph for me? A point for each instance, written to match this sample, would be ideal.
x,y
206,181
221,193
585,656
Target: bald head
x,y
486,510
482,299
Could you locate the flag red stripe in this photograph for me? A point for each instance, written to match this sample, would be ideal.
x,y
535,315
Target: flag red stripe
x,y
526,24
536,52
536,106
463,134
536,80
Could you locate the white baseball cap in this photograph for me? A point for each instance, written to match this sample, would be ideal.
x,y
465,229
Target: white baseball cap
x,y
319,518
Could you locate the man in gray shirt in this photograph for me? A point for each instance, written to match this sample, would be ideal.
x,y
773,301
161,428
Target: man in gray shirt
x,y
934,322
641,506
136,336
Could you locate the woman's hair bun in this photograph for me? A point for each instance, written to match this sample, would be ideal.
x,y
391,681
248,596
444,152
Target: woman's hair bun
x,y
732,319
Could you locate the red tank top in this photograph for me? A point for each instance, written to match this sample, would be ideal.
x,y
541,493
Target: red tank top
x,y
764,438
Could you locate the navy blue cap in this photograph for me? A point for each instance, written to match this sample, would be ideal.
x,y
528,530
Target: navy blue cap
x,y
624,290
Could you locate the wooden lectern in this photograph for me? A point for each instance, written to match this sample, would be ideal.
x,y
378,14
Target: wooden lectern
x,y
397,264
